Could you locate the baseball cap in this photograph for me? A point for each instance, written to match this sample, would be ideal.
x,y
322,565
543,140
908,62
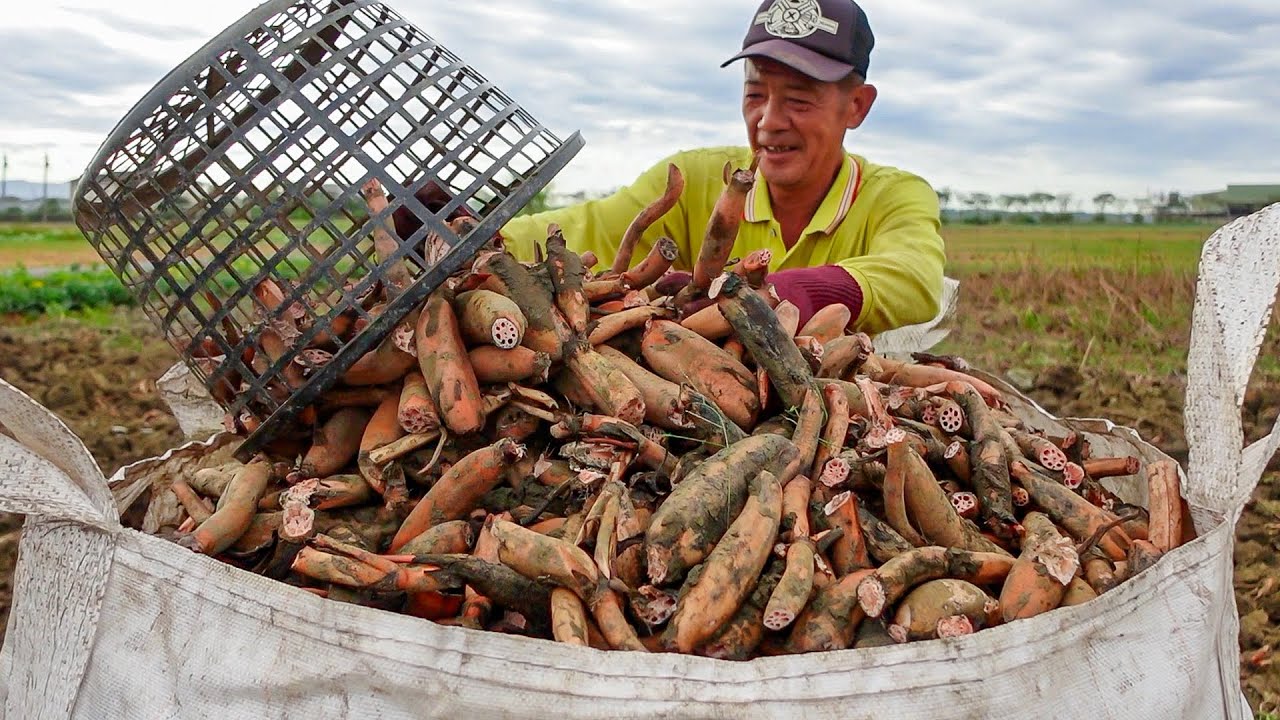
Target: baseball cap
x,y
824,39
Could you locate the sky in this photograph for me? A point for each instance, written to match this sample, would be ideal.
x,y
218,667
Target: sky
x,y
996,96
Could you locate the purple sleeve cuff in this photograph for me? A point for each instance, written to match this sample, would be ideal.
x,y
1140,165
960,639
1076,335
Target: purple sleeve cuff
x,y
672,282
813,288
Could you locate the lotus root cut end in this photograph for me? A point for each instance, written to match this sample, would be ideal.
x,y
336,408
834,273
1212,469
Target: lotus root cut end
x,y
1021,498
297,522
402,338
950,418
505,334
632,411
667,249
871,597
955,626
416,421
1052,458
1072,475
836,471
778,619
655,610
512,449
313,358
965,503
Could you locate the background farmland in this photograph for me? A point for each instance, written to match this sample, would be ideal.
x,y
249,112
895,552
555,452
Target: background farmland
x,y
1088,319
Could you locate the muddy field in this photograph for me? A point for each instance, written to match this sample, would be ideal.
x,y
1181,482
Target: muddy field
x,y
99,377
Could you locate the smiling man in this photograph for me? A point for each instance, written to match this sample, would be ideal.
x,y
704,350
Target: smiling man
x,y
841,229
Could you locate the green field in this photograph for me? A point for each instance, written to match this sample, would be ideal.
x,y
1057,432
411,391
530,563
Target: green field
x,y
1082,295
1142,249
970,248
44,245
1107,298
59,244
1071,294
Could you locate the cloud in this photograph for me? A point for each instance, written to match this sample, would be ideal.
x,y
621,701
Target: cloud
x,y
69,62
1075,96
60,75
135,25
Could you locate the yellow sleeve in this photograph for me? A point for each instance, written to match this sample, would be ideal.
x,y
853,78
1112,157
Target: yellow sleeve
x,y
598,225
901,272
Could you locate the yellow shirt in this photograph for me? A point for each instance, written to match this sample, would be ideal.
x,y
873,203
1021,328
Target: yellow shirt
x,y
879,223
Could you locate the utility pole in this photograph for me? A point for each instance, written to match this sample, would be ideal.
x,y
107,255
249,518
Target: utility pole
x,y
44,191
4,177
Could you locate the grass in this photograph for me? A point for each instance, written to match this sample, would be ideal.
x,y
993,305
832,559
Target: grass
x,y
60,290
1081,318
58,244
1081,295
1142,249
969,247
44,245
53,268
56,236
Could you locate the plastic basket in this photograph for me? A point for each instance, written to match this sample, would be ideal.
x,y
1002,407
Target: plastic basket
x,y
245,163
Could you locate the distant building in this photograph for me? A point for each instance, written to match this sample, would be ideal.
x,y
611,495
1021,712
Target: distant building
x,y
1236,201
26,206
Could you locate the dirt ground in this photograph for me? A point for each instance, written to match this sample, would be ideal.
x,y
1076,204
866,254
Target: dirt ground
x,y
100,380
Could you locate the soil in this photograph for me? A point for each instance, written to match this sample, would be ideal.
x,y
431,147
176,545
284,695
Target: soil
x,y
101,381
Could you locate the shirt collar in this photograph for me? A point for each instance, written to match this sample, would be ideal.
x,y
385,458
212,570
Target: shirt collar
x,y
834,206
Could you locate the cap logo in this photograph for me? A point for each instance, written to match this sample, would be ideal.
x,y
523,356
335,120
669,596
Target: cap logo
x,y
795,19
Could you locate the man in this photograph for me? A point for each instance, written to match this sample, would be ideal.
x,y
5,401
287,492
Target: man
x,y
841,229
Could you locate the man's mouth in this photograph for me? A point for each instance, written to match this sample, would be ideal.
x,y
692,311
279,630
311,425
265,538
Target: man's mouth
x,y
777,149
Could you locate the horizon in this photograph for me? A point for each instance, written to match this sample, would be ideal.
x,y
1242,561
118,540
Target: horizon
x,y
1078,203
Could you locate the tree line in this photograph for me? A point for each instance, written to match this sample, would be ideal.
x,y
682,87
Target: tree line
x,y
1062,207
973,207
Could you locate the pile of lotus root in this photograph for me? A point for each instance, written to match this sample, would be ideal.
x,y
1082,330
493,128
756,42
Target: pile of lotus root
x,y
635,459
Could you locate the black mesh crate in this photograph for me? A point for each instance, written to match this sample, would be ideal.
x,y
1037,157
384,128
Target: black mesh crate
x,y
240,173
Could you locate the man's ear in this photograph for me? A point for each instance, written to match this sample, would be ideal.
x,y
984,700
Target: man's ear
x,y
861,98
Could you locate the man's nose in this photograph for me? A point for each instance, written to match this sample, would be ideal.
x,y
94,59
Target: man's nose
x,y
772,117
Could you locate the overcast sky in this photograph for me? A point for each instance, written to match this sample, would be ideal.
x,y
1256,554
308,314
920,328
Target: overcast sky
x,y
1001,96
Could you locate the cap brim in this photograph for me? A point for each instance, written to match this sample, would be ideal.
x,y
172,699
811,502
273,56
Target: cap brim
x,y
814,64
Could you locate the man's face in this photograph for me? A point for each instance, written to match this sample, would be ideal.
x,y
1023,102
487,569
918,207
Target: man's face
x,y
796,123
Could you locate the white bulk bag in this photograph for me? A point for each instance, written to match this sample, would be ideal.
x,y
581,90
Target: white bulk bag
x,y
113,623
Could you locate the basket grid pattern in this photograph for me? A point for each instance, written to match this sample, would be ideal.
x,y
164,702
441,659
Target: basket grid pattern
x,y
243,169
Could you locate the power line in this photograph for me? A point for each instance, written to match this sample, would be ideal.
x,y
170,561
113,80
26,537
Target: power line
x,y
44,191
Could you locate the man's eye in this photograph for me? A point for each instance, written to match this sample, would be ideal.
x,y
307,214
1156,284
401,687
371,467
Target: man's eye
x,y
753,96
